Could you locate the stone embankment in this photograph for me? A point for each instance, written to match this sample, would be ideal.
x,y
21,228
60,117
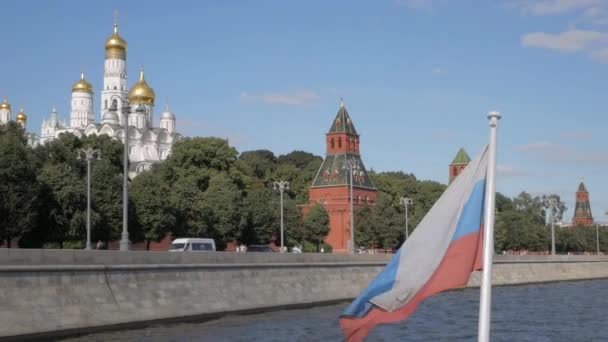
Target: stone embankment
x,y
49,291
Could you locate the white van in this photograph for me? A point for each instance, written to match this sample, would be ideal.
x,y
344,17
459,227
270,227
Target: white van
x,y
192,245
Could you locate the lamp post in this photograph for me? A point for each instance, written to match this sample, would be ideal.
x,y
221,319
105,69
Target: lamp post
x,y
281,186
552,206
597,238
125,110
88,154
351,165
406,202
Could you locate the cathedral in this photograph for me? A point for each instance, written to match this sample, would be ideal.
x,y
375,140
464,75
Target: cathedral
x,y
147,144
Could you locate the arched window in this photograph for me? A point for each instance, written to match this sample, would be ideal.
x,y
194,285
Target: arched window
x,y
340,142
115,103
332,143
114,87
454,172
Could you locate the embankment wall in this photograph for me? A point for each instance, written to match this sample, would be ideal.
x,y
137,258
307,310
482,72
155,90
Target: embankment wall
x,y
44,291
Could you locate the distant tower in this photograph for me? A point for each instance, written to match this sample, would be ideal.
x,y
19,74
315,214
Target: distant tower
x,y
82,104
461,160
582,210
49,127
21,118
5,112
115,72
167,120
331,186
141,95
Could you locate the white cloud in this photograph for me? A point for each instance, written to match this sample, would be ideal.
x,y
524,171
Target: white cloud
x,y
509,171
535,146
561,154
576,135
438,71
417,4
567,41
556,7
296,98
600,55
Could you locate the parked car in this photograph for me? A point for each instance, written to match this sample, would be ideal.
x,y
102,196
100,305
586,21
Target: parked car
x,y
192,245
259,248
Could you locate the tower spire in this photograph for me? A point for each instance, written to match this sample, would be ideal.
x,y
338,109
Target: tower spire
x,y
115,21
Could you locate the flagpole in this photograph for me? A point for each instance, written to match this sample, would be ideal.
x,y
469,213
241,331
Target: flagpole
x,y
485,300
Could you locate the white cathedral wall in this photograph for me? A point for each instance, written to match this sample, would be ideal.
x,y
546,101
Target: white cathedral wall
x,y
82,109
5,116
114,86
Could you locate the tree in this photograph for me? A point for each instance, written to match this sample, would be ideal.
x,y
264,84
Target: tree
x,y
152,206
259,163
261,216
316,225
18,185
558,210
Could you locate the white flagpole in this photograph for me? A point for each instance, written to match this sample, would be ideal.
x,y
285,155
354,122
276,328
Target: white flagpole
x,y
485,300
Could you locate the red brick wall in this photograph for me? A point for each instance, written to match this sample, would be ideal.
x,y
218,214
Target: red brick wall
x,y
335,201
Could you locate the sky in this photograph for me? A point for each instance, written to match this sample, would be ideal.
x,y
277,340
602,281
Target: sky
x,y
418,77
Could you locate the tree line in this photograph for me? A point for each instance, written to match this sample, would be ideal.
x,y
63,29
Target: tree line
x,y
206,188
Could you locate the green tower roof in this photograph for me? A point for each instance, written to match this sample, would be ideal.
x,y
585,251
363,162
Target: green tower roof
x,y
461,158
333,172
582,188
342,123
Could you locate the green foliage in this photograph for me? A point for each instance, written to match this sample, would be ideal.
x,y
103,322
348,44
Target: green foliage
x,y
152,206
19,189
316,225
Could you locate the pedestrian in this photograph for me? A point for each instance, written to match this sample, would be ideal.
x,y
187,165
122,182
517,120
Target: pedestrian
x,y
99,244
322,250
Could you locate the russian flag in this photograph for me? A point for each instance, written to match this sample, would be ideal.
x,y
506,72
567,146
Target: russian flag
x,y
440,255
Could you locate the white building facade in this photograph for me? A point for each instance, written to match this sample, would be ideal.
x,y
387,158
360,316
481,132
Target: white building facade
x,y
147,144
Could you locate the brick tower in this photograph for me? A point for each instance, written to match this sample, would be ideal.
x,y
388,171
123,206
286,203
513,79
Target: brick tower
x,y
582,210
331,186
461,160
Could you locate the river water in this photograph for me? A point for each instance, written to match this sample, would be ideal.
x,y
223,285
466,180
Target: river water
x,y
567,311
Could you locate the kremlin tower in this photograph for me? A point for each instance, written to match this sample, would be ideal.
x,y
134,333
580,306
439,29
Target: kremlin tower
x,y
331,186
582,210
461,160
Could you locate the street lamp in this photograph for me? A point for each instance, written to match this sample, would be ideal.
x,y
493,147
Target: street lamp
x,y
281,186
406,202
597,238
125,110
351,165
88,154
552,206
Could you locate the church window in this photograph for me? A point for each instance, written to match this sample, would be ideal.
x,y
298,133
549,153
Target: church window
x,y
454,171
340,142
114,87
332,143
114,103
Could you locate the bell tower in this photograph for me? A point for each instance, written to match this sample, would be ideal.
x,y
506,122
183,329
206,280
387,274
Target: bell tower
x,y
461,160
331,186
582,210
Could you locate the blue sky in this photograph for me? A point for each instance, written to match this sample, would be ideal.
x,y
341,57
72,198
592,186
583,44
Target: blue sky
x,y
417,76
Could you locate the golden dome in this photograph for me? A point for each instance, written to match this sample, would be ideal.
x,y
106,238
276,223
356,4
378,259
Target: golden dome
x,y
116,47
141,93
82,85
21,117
5,105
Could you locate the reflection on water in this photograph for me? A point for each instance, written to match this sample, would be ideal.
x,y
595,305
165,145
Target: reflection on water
x,y
569,311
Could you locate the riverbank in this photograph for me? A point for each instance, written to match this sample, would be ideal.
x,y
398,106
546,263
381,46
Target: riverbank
x,y
46,291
